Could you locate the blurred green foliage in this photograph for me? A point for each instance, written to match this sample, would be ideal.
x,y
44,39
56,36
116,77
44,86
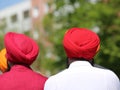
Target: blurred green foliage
x,y
102,16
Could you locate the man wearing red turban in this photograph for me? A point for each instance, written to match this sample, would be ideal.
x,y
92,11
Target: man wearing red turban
x,y
21,52
81,45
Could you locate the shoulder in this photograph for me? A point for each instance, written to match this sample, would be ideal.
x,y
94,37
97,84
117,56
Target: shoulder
x,y
112,80
52,82
110,77
39,76
58,75
107,72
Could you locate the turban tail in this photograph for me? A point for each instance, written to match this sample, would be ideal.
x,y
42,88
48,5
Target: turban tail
x,y
81,43
20,48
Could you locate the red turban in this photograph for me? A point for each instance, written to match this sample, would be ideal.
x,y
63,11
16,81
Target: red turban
x,y
81,43
20,48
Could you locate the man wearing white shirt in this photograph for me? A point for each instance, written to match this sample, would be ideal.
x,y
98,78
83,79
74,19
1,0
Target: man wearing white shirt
x,y
81,45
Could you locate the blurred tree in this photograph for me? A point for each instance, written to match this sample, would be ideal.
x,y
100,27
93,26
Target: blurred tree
x,y
2,32
101,16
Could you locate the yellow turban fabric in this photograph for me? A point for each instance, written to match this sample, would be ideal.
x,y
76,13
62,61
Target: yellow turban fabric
x,y
3,60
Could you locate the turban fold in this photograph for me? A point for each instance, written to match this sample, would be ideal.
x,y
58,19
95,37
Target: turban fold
x,y
81,43
3,61
20,48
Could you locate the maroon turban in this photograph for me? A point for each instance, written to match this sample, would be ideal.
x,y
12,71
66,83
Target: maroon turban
x,y
81,43
20,48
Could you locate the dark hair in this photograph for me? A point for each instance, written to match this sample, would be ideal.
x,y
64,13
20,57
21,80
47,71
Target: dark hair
x,y
79,59
8,67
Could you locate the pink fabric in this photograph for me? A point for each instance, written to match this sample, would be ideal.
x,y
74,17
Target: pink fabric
x,y
22,78
81,43
20,48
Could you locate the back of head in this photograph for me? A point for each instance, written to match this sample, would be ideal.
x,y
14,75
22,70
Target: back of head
x,y
81,43
20,48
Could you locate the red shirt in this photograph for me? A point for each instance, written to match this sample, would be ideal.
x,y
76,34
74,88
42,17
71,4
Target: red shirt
x,y
22,78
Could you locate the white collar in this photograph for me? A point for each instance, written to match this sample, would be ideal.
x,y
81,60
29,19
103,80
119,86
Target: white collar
x,y
79,64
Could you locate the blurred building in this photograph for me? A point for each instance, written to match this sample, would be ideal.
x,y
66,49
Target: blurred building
x,y
20,15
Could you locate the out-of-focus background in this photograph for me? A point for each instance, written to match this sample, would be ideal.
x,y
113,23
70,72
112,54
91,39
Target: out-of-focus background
x,y
47,20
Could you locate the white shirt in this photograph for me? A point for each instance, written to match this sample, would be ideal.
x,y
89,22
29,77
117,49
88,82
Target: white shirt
x,y
81,75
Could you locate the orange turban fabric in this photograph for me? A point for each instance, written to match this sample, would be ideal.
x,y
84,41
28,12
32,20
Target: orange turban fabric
x,y
81,43
3,61
20,48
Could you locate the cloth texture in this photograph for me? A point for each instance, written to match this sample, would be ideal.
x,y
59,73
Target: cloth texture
x,y
82,76
21,78
3,60
20,48
81,43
